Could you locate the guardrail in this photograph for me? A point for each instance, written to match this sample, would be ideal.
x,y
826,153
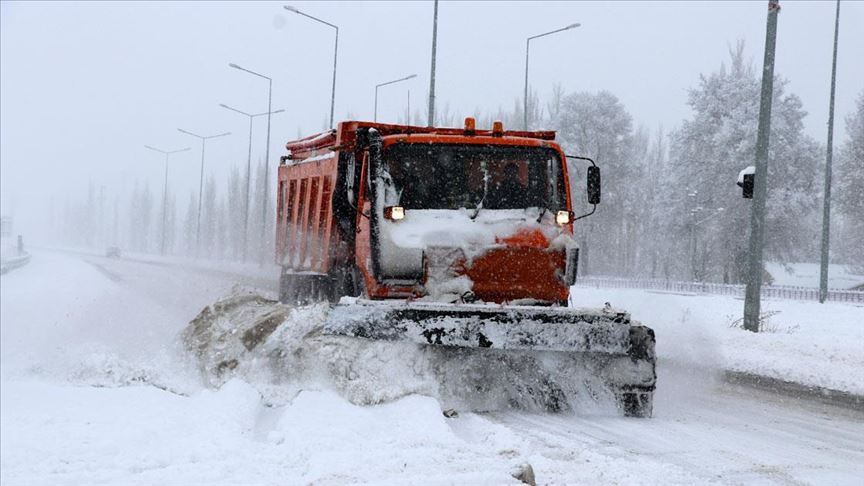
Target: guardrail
x,y
14,262
736,290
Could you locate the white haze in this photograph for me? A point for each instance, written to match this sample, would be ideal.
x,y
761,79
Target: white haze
x,y
86,85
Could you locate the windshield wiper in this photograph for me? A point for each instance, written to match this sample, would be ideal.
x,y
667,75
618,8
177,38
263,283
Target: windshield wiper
x,y
542,212
485,190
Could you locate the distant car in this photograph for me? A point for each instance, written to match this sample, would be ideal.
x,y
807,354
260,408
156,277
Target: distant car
x,y
112,252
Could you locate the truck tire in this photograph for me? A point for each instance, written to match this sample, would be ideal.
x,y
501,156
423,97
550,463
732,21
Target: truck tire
x,y
637,400
286,288
638,404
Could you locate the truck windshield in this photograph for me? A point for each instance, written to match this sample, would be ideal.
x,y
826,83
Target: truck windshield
x,y
440,176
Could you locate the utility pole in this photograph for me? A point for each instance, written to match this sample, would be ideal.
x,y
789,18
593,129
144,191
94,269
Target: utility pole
x,y
102,215
248,173
166,153
201,182
269,113
752,296
432,75
693,196
826,203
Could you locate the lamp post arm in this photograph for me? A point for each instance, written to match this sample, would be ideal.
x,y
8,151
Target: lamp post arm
x,y
316,19
562,29
527,48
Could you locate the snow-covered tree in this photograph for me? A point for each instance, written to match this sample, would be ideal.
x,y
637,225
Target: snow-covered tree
x,y
598,126
848,182
710,149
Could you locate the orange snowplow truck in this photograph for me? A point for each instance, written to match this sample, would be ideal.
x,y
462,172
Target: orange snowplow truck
x,y
366,208
449,236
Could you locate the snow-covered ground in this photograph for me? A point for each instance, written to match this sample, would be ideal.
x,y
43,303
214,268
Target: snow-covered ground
x,y
805,342
807,275
95,390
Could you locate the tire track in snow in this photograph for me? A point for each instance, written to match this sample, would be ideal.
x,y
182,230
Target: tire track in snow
x,y
727,433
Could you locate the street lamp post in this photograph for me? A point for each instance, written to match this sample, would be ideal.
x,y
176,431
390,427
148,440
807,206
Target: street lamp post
x,y
166,153
267,151
335,52
248,174
201,182
527,50
431,121
375,117
693,225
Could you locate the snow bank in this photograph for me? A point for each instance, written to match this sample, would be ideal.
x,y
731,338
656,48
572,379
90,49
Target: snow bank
x,y
59,434
138,435
76,322
806,342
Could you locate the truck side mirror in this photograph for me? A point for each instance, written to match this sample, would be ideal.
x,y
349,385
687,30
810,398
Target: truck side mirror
x,y
593,185
747,186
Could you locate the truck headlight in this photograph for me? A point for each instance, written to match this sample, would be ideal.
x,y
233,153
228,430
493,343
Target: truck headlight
x,y
394,213
563,217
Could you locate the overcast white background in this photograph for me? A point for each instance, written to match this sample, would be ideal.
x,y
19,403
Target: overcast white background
x,y
83,86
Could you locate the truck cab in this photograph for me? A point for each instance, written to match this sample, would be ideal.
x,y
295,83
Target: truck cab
x,y
444,214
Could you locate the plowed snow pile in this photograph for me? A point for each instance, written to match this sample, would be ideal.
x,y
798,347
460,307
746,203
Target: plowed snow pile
x,y
283,350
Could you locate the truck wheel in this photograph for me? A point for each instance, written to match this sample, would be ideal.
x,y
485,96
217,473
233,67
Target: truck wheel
x,y
357,283
341,284
287,288
639,404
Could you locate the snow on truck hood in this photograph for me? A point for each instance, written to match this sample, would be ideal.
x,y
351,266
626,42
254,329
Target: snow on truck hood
x,y
424,228
434,232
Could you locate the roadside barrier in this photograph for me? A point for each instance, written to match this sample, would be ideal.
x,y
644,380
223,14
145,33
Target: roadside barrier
x,y
736,290
14,262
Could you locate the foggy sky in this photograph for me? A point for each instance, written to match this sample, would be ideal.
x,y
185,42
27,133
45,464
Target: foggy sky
x,y
83,86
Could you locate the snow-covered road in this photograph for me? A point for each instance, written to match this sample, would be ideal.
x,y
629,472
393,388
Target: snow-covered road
x,y
69,322
704,431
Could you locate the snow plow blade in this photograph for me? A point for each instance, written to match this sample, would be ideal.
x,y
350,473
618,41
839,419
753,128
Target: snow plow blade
x,y
616,350
484,326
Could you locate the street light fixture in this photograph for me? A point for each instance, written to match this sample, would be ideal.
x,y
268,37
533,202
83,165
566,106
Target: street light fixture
x,y
527,50
269,112
375,117
201,181
335,52
248,173
167,153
